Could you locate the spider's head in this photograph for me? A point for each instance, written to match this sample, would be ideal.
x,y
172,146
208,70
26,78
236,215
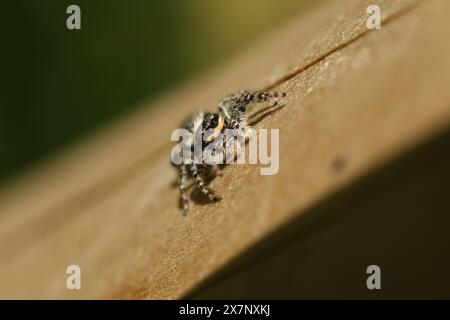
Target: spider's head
x,y
212,122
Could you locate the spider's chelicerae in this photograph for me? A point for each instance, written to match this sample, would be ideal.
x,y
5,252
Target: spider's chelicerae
x,y
231,114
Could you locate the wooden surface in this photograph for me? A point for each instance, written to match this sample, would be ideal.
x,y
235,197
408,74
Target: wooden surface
x,y
109,206
396,217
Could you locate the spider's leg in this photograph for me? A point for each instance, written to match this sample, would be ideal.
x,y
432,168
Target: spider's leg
x,y
226,103
234,107
182,186
263,96
275,97
201,184
239,119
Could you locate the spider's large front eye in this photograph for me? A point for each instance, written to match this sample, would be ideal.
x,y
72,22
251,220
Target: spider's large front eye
x,y
217,124
214,121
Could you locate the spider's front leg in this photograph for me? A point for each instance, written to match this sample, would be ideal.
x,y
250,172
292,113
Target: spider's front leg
x,y
200,183
226,102
233,107
182,186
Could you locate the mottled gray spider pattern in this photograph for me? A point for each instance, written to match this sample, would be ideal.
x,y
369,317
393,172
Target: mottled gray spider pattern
x,y
231,114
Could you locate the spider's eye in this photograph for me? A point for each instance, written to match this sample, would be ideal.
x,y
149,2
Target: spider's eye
x,y
214,121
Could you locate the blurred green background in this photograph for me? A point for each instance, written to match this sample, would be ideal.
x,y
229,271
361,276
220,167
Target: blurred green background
x,y
59,84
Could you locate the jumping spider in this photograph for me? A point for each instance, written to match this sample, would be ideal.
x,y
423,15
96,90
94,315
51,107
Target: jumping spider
x,y
232,115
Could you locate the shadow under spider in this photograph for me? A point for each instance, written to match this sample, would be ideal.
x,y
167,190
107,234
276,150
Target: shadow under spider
x,y
260,115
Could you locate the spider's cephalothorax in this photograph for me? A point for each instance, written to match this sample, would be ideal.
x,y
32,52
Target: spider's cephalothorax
x,y
231,115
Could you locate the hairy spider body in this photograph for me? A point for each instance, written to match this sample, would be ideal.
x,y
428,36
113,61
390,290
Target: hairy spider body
x,y
231,114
